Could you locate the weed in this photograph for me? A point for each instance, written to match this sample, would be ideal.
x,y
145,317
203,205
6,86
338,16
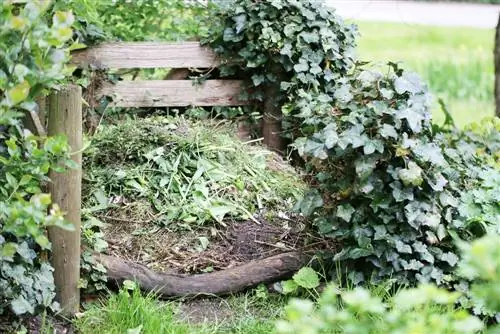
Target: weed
x,y
130,312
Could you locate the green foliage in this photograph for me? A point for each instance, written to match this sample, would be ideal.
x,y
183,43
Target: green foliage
x,y
457,62
305,279
32,58
92,273
146,20
183,173
394,189
425,309
130,312
298,43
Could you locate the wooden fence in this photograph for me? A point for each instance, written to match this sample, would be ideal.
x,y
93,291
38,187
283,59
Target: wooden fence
x,y
160,93
65,117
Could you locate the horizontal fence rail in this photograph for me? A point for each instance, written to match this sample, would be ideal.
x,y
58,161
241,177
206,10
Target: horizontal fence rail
x,y
173,93
146,55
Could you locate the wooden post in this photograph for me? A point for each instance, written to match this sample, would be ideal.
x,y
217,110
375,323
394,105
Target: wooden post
x,y
65,117
497,68
271,125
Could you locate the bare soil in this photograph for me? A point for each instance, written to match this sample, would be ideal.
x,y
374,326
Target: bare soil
x,y
206,249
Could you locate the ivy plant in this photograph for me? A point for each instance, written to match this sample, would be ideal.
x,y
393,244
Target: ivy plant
x,y
33,53
293,43
387,183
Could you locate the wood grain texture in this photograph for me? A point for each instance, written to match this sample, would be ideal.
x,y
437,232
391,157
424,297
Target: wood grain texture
x,y
146,55
222,282
173,93
65,118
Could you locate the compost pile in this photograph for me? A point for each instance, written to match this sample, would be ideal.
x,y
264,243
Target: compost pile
x,y
188,197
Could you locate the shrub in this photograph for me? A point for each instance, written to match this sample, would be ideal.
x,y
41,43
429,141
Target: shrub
x,y
145,20
425,309
393,188
298,43
32,58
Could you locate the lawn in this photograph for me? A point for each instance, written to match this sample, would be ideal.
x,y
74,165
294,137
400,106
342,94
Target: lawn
x,y
456,62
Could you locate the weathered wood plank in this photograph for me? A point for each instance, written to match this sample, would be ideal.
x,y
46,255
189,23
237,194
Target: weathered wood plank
x,y
173,93
146,55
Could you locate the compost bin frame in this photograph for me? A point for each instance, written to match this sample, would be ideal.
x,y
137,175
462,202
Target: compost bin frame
x,y
65,118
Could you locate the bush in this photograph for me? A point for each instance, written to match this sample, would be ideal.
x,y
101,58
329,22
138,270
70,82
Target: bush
x,y
425,309
32,58
298,43
145,20
393,188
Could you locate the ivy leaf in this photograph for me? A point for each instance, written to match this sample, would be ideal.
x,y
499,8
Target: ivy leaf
x,y
42,241
411,175
310,37
414,119
448,200
387,93
21,306
401,194
306,278
449,257
316,149
430,152
402,247
257,79
302,66
331,135
345,212
8,250
290,29
412,265
241,21
388,131
287,50
408,82
229,35
365,166
343,94
310,202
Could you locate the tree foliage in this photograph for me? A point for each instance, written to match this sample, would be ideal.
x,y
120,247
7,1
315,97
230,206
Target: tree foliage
x,y
33,52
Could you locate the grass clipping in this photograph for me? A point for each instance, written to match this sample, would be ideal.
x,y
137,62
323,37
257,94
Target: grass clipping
x,y
180,174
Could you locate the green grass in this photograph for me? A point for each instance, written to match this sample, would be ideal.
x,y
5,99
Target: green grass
x,y
127,311
457,63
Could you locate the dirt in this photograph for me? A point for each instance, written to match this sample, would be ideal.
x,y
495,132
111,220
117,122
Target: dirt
x,y
206,249
35,325
203,310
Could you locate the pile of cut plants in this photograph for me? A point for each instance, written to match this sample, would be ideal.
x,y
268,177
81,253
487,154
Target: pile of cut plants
x,y
183,196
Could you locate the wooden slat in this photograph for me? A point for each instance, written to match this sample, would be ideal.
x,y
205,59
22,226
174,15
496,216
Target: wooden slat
x,y
146,55
173,93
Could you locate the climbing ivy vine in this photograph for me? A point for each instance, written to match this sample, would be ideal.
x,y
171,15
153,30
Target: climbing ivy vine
x,y
393,187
